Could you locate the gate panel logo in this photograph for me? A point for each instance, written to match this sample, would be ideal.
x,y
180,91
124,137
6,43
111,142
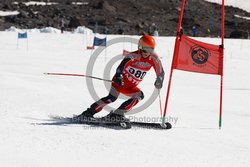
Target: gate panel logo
x,y
199,54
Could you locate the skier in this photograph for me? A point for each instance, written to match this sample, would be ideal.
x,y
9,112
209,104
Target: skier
x,y
129,74
194,31
62,25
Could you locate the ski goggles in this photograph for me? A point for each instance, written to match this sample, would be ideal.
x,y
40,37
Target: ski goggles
x,y
146,49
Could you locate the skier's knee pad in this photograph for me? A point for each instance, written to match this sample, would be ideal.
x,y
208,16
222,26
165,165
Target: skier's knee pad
x,y
139,95
142,95
111,98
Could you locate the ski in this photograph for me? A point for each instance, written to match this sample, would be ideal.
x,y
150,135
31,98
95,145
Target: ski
x,y
149,125
92,121
103,123
109,124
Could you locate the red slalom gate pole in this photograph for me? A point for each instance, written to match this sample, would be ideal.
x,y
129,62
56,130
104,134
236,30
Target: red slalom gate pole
x,y
177,44
222,55
78,75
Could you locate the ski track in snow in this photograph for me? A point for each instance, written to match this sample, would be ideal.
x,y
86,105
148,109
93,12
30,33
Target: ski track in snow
x,y
28,97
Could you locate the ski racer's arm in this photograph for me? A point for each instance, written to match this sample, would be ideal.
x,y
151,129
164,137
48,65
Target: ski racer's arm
x,y
118,78
159,72
122,65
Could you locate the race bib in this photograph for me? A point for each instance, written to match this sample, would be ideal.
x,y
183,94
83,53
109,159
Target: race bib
x,y
136,73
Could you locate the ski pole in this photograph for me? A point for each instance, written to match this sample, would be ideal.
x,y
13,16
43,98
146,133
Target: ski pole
x,y
159,95
78,75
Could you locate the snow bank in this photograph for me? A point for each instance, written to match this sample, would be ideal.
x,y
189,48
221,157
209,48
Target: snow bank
x,y
36,3
83,30
8,13
243,4
78,30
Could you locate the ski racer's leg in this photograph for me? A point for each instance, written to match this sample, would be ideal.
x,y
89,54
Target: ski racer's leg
x,y
112,96
135,96
98,105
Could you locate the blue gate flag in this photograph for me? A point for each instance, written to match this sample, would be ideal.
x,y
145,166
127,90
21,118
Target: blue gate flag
x,y
99,41
22,35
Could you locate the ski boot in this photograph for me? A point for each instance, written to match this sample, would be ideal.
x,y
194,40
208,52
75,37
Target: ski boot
x,y
117,118
85,116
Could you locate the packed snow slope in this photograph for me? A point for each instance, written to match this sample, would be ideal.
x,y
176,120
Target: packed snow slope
x,y
28,97
242,4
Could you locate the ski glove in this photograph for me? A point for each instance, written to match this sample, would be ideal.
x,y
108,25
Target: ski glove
x,y
158,82
119,79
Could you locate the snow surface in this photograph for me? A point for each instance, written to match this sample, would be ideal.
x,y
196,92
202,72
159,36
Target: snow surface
x,y
8,13
36,3
28,97
49,3
79,29
247,18
243,4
